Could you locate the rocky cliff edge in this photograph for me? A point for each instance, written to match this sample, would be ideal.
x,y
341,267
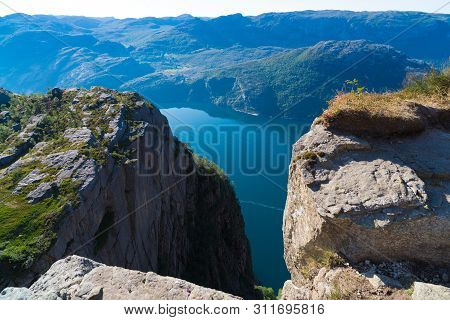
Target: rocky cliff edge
x,y
98,173
368,208
77,278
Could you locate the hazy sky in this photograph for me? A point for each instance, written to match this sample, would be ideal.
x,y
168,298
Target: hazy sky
x,y
158,8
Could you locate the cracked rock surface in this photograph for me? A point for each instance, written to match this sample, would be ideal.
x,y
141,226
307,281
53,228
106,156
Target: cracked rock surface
x,y
367,198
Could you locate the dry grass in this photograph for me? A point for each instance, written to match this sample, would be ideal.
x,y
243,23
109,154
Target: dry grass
x,y
424,102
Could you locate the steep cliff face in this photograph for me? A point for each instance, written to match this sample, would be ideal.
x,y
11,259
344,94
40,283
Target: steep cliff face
x,y
98,173
368,207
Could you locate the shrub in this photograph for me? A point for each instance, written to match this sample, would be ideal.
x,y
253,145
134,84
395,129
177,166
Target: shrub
x,y
434,83
266,293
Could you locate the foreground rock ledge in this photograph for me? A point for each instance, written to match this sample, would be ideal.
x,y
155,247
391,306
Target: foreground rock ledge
x,y
372,202
77,278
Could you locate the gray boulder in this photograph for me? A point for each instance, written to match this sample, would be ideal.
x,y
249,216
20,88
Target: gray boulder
x,y
32,177
25,141
117,127
427,291
77,278
373,200
17,294
43,191
81,135
4,116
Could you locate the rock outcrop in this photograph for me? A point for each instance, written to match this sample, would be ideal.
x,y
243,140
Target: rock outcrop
x,y
105,179
77,278
368,215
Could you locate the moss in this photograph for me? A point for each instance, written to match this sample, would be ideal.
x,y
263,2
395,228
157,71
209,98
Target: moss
x,y
409,292
309,155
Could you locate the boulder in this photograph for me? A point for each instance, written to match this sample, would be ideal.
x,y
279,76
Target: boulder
x,y
32,177
16,294
77,278
107,97
368,199
117,127
56,93
80,135
25,140
4,116
427,291
42,192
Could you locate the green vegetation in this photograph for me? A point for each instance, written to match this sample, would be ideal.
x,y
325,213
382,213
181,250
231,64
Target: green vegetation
x,y
394,113
209,168
27,230
297,82
309,155
337,294
320,258
434,84
266,293
354,85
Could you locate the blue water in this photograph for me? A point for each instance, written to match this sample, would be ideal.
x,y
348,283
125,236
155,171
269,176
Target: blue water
x,y
256,157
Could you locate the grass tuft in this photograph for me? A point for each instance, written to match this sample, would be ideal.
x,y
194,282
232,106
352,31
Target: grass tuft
x,y
423,102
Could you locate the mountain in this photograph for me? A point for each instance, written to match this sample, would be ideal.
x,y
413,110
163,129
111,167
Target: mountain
x,y
420,35
38,52
295,83
98,173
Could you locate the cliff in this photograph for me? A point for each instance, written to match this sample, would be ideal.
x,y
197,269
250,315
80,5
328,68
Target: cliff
x,y
98,173
368,208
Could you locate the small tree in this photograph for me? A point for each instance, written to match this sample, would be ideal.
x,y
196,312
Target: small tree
x,y
355,86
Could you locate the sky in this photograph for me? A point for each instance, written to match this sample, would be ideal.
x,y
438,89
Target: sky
x,y
207,8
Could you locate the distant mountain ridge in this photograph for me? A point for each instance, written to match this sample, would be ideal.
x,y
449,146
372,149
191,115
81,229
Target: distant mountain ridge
x,y
295,83
37,52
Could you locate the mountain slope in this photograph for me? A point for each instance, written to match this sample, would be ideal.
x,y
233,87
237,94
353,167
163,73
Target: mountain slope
x,y
37,52
296,83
